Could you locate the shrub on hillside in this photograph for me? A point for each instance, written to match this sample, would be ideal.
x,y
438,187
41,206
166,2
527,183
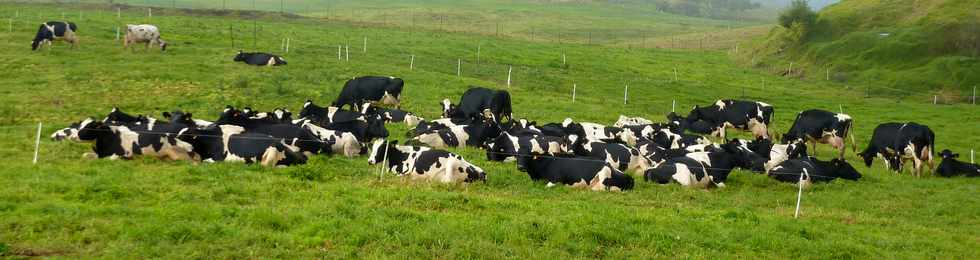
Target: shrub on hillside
x,y
798,12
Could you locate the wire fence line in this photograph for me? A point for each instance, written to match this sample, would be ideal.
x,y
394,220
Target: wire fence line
x,y
483,67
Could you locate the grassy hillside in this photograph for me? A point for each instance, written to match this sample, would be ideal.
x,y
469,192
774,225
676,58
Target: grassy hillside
x,y
918,47
596,22
334,207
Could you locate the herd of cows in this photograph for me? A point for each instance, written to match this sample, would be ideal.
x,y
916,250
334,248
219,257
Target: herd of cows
x,y
581,154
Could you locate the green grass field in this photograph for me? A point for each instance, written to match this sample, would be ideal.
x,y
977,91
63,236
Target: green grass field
x,y
66,206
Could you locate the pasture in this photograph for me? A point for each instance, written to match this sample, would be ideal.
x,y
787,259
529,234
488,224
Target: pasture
x,y
335,207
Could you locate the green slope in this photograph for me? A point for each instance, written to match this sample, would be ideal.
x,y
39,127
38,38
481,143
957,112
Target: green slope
x,y
334,207
917,47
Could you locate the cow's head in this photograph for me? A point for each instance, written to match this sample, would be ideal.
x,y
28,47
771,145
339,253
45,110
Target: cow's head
x,y
179,117
796,150
947,154
375,129
242,56
71,132
282,115
744,158
660,176
502,147
844,170
868,157
448,108
378,150
231,116
163,45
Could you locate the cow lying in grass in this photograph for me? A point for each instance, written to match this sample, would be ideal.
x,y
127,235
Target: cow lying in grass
x,y
423,163
259,59
950,167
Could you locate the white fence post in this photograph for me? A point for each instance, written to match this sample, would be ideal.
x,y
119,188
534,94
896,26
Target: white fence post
x,y
935,99
479,47
411,64
347,52
365,44
117,33
149,12
37,142
971,156
626,92
675,74
287,45
574,86
338,52
509,70
282,44
673,104
974,95
799,196
459,64
562,58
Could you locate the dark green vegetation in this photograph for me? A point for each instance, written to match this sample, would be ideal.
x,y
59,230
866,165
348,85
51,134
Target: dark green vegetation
x,y
901,47
334,207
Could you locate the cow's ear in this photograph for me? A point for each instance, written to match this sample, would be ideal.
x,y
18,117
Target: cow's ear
x,y
115,108
308,103
166,114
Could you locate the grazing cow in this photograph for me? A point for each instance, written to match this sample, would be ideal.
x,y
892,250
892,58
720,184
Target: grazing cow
x,y
51,31
424,163
897,143
624,121
705,169
341,142
950,167
259,59
745,115
813,170
476,135
580,172
231,143
477,99
357,91
623,157
820,126
522,147
144,33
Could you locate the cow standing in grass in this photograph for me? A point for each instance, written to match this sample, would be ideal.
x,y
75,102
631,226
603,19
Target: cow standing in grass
x,y
51,31
144,33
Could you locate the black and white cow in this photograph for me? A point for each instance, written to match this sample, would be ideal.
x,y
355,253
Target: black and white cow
x,y
777,153
670,140
738,114
631,121
152,139
898,142
522,147
475,135
51,31
259,59
279,115
571,131
232,143
328,115
950,167
392,115
580,172
341,142
623,157
477,99
601,133
144,33
293,135
652,151
423,163
705,169
358,91
820,126
813,170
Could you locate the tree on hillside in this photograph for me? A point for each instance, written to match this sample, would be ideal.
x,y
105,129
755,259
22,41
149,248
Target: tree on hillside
x,y
798,12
